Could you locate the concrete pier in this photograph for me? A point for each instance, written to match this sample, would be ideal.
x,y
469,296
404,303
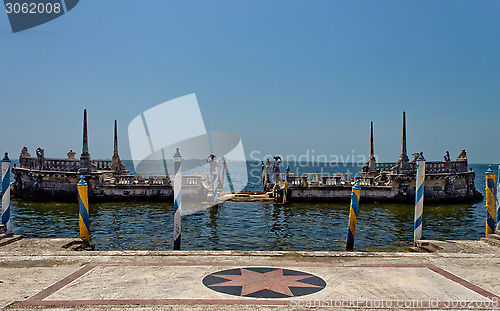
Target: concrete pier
x,y
40,273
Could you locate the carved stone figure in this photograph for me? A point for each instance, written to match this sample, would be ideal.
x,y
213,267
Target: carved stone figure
x,y
25,153
40,153
276,169
447,156
71,155
462,156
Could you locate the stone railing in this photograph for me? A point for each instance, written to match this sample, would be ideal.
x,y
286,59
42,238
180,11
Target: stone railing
x,y
316,179
459,166
297,180
442,167
313,179
49,164
434,167
283,175
191,180
203,176
386,166
430,167
102,165
141,180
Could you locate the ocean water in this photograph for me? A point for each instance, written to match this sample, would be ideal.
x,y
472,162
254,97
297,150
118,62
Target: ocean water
x,y
256,225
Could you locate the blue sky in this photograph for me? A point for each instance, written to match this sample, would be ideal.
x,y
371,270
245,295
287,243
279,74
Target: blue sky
x,y
287,76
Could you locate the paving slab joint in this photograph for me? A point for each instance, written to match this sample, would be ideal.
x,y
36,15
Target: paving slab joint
x,y
11,239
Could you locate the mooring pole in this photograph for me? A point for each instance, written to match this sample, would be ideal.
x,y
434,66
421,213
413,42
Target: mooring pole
x,y
353,215
263,173
419,198
490,201
84,219
228,176
498,203
285,191
177,199
216,186
6,192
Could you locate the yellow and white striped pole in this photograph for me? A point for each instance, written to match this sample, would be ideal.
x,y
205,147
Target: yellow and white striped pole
x,y
353,215
177,199
84,219
6,192
419,198
490,201
285,191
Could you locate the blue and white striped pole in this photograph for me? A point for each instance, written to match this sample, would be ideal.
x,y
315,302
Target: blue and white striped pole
x,y
419,198
285,190
216,187
353,215
6,192
177,199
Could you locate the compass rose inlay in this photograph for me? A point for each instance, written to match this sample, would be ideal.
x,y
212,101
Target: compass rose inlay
x,y
264,282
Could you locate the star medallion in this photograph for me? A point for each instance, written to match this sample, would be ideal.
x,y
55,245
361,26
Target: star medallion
x,y
264,282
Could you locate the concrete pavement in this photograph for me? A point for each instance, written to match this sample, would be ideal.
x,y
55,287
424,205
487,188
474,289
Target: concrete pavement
x,y
39,273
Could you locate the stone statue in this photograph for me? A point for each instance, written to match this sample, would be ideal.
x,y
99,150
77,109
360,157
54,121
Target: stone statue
x,y
415,157
462,156
268,172
213,167
71,155
40,153
447,156
25,153
276,169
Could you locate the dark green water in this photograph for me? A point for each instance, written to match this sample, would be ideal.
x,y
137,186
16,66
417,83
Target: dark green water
x,y
253,226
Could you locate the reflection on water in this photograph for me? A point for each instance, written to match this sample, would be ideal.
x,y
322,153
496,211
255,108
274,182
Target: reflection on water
x,y
249,226
252,226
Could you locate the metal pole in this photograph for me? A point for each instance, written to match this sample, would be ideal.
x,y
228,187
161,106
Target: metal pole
x,y
353,215
285,191
419,198
177,199
84,219
6,192
490,201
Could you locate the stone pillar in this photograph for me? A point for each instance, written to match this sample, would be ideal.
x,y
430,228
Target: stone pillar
x,y
403,161
116,163
372,163
85,156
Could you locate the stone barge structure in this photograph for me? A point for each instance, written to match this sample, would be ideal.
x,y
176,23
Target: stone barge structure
x,y
446,181
41,178
48,179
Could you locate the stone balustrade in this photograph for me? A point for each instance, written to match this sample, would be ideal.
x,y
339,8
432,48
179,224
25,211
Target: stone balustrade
x,y
191,180
316,179
102,165
283,175
203,176
386,166
48,164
